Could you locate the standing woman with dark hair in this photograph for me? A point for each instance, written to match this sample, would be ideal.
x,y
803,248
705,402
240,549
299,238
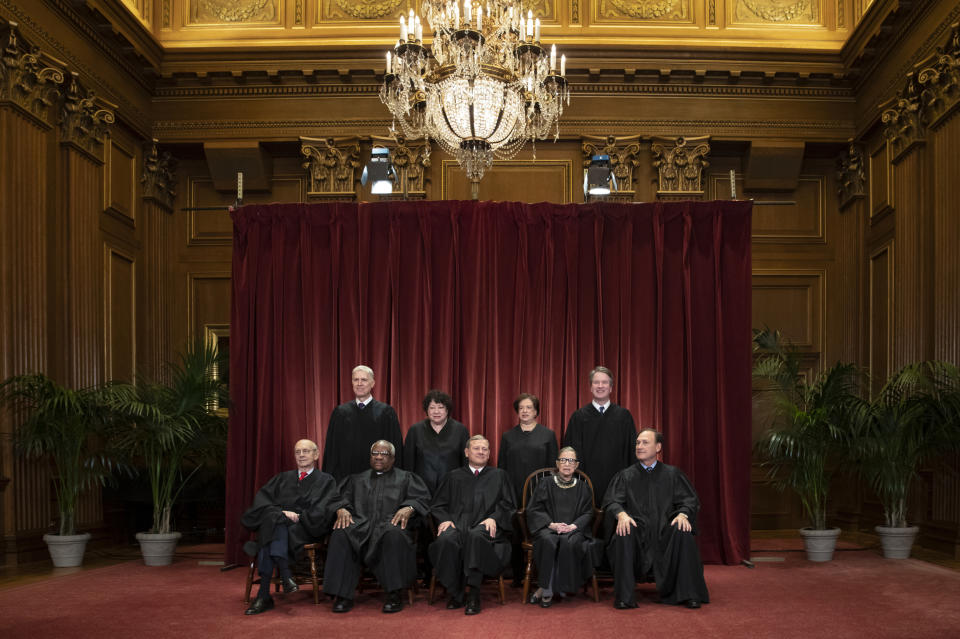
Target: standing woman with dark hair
x,y
525,448
435,446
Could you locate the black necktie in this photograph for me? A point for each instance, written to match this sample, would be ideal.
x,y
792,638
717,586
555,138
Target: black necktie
x,y
361,406
649,469
601,409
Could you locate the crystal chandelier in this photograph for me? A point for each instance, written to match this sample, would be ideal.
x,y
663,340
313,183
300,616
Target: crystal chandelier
x,y
482,89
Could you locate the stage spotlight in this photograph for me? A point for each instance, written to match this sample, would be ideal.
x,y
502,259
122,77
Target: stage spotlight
x,y
598,178
379,171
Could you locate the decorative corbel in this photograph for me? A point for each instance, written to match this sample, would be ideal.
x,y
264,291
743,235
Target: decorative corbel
x,y
332,167
25,81
84,123
680,163
851,175
939,79
624,153
409,162
159,176
904,121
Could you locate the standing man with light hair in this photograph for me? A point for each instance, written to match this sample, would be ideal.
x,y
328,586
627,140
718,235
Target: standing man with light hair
x,y
353,425
602,433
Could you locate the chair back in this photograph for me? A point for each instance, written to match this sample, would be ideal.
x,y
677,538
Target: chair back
x,y
530,485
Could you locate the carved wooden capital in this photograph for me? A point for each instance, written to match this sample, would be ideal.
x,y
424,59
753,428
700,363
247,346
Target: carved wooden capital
x,y
332,167
904,121
84,123
680,163
624,155
940,79
24,80
409,161
852,175
159,178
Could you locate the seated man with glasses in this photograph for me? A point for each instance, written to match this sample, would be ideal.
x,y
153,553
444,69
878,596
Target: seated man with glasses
x,y
559,514
294,508
373,529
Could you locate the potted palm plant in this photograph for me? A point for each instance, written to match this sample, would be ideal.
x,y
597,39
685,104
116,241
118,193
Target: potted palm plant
x,y
172,428
64,426
809,432
914,418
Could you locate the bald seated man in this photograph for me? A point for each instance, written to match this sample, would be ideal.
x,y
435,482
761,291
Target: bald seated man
x,y
294,508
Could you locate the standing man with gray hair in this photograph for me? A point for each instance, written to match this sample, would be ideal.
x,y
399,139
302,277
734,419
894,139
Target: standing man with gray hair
x,y
602,432
353,425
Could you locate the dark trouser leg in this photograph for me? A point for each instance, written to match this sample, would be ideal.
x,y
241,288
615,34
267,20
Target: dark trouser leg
x,y
678,569
544,555
622,552
483,555
341,572
396,565
446,555
574,565
273,555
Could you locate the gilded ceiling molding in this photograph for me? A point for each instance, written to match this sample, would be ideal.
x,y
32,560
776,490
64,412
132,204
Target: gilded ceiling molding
x,y
233,11
159,178
575,12
680,162
166,14
84,123
712,12
26,81
365,9
409,161
940,80
332,167
660,10
904,121
298,12
778,11
624,155
852,175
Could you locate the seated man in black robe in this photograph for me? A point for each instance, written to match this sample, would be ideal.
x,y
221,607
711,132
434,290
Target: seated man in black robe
x,y
294,508
474,506
558,515
655,509
374,529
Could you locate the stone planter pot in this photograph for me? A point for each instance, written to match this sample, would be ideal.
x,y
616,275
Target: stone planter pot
x,y
66,551
158,548
819,544
897,542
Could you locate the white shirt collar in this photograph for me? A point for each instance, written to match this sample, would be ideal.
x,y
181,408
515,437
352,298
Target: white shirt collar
x,y
309,472
603,406
359,403
474,469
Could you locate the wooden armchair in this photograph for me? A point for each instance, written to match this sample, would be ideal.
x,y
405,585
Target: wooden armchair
x,y
314,560
529,485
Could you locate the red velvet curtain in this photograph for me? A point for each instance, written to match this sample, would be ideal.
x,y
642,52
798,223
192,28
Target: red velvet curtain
x,y
487,300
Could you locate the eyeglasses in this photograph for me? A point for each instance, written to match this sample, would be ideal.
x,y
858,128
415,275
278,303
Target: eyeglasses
x,y
567,460
303,451
380,453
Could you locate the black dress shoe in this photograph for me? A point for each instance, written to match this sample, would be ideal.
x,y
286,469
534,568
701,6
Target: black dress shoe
x,y
258,605
289,585
619,604
546,602
342,604
692,603
394,602
473,605
454,602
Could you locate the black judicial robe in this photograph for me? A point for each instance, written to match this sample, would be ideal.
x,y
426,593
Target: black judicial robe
x,y
572,553
522,452
431,455
351,432
373,499
605,444
467,500
315,500
653,500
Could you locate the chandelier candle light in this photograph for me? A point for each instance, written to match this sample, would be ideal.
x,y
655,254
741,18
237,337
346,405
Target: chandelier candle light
x,y
483,88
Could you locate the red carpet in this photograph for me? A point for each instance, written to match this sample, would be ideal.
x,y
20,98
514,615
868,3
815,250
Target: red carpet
x,y
859,594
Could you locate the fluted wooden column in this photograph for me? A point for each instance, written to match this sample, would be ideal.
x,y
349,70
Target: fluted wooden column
x,y
28,91
157,235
